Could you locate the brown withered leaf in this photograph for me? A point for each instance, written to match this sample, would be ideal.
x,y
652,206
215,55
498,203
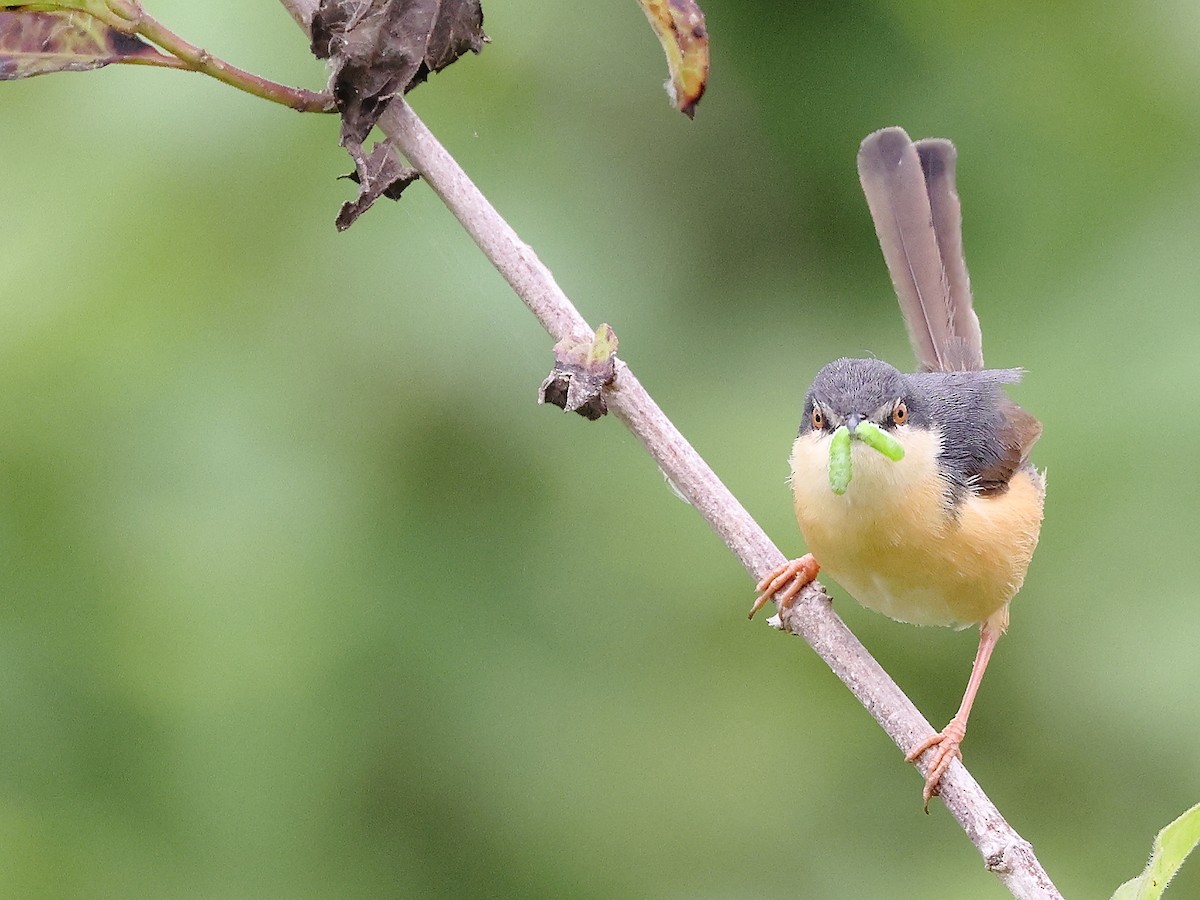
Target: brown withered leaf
x,y
34,42
582,369
385,175
679,25
381,49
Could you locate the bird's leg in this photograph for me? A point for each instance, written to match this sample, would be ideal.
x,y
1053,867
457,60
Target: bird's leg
x,y
788,580
946,745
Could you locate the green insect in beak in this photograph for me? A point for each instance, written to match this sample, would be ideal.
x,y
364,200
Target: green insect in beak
x,y
841,470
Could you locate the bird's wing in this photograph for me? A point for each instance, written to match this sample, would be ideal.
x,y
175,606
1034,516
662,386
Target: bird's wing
x,y
986,438
1016,436
910,190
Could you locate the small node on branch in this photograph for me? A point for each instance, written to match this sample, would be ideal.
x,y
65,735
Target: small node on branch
x,y
583,367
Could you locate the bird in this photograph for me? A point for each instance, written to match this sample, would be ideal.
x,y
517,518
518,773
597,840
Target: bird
x,y
943,535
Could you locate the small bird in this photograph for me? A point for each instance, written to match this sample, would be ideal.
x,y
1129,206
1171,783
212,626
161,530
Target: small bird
x,y
944,534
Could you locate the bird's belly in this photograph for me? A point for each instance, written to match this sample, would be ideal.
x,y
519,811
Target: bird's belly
x,y
919,604
893,542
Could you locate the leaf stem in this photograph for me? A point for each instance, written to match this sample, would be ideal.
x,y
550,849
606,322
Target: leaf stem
x,y
197,59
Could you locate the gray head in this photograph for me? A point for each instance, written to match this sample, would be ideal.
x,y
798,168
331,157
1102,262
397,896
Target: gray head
x,y
985,437
849,391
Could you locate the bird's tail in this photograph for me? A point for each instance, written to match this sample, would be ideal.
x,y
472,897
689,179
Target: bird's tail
x,y
910,190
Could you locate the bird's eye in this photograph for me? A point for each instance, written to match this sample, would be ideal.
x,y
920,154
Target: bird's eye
x,y
899,413
818,417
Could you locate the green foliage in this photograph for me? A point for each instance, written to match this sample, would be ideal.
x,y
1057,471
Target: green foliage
x,y
1171,847
116,14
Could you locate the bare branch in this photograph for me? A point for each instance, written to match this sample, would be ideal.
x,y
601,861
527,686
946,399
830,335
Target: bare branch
x,y
302,11
1005,852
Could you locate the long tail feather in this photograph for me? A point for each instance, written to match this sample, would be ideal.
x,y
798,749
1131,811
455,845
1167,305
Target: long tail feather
x,y
910,191
938,157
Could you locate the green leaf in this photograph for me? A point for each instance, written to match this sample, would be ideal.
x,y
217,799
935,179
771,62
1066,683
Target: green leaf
x,y
1171,847
604,346
840,466
878,439
119,14
679,26
39,42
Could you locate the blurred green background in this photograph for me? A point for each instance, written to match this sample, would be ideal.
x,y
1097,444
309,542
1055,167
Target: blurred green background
x,y
301,595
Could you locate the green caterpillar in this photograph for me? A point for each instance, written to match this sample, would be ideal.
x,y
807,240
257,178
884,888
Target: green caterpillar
x,y
840,467
841,470
878,439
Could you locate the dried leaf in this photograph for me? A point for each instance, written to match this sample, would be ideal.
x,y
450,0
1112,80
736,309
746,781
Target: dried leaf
x,y
582,368
381,49
679,25
34,42
385,176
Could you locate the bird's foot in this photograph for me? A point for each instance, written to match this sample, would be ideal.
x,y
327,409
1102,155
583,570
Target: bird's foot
x,y
787,581
945,748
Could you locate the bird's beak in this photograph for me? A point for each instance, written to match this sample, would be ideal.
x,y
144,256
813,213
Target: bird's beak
x,y
852,421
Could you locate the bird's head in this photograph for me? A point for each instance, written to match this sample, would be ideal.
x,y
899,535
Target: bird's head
x,y
850,391
892,444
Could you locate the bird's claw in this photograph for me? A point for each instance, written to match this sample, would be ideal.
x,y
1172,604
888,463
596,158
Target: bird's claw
x,y
785,583
946,748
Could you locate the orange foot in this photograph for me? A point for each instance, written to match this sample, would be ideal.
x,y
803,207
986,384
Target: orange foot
x,y
797,571
945,750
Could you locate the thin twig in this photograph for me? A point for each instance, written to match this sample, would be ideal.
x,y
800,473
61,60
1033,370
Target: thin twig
x,y
1005,852
198,59
302,12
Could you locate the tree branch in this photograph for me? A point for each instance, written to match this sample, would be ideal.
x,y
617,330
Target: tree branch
x,y
1005,852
